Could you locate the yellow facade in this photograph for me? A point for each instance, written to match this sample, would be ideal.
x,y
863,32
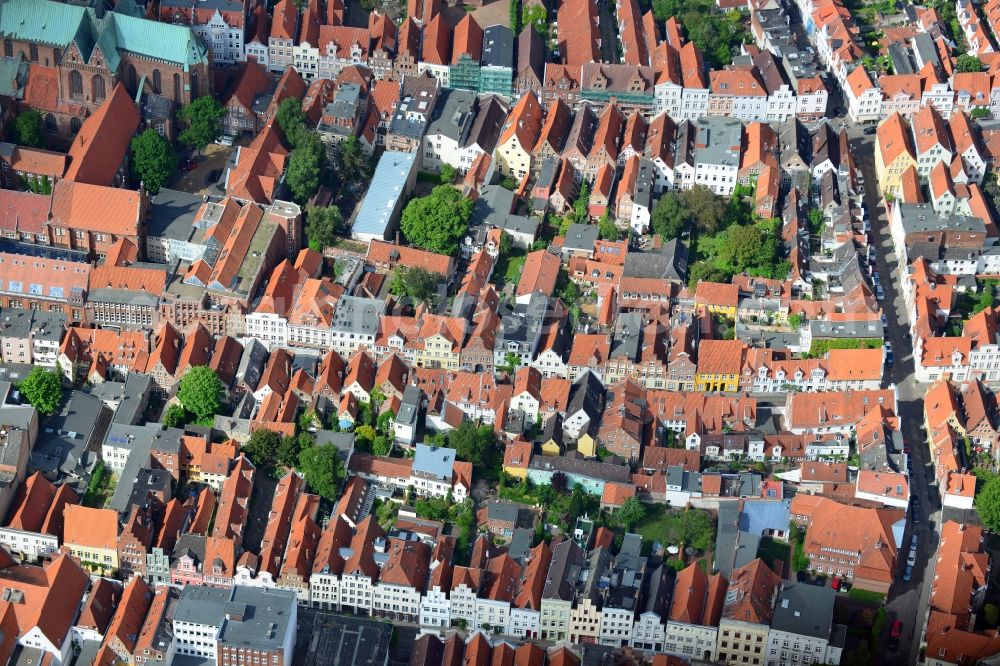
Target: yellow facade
x,y
512,159
890,176
587,445
517,472
724,310
89,556
551,448
438,352
716,382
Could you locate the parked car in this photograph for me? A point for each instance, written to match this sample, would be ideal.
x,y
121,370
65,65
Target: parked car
x,y
911,559
908,574
913,541
224,140
879,294
870,130
189,165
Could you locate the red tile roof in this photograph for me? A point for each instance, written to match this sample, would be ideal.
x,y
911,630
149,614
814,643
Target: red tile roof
x,y
103,141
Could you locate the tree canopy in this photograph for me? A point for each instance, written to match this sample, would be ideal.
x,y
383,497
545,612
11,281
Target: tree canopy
x,y
29,130
630,513
153,160
43,389
262,448
353,163
718,34
175,416
202,119
478,445
607,228
305,166
969,63
988,503
323,470
200,391
437,221
322,225
670,216
416,283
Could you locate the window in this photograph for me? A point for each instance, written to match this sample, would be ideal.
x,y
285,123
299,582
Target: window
x,y
97,88
8,48
33,50
75,84
156,81
177,87
74,124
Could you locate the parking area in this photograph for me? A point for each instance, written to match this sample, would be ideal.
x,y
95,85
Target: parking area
x,y
208,168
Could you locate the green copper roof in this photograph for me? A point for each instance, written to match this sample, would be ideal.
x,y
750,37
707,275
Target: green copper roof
x,y
50,22
163,41
13,76
44,21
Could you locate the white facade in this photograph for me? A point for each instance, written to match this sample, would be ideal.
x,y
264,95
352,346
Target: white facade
x,y
693,641
224,40
271,329
305,56
720,178
648,633
551,364
257,50
616,627
435,609
524,622
29,545
787,648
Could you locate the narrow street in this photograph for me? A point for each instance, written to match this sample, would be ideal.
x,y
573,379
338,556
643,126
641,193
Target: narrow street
x,y
907,600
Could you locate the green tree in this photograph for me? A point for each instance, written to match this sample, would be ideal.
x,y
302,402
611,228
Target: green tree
x,y
175,416
352,160
670,216
535,17
305,166
607,228
322,226
153,160
707,209
202,119
289,449
290,118
447,174
200,392
323,470
383,421
979,112
29,130
630,513
43,389
261,448
416,283
581,207
382,446
988,504
968,63
511,362
992,614
364,435
437,221
476,444
508,183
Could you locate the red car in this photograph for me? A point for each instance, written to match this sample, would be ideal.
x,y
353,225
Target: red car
x,y
189,165
897,629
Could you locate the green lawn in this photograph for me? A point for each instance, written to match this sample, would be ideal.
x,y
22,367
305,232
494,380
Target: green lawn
x,y
672,527
509,266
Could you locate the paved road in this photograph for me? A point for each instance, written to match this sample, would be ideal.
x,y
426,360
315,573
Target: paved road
x,y
907,600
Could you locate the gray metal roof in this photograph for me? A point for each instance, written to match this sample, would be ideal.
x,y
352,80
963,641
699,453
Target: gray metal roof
x,y
251,363
357,314
171,214
134,398
268,618
581,237
498,47
719,140
387,186
453,114
918,218
68,439
434,461
806,610
409,408
821,328
493,208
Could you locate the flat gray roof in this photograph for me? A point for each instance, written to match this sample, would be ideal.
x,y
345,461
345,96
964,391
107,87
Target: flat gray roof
x,y
434,461
387,186
806,610
339,640
172,213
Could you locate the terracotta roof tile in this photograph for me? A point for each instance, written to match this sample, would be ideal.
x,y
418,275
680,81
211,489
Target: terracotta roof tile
x,y
103,141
